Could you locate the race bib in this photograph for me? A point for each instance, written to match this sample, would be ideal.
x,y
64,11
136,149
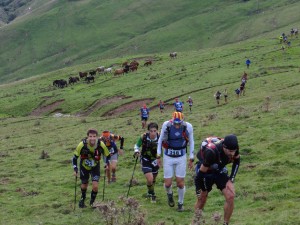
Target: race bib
x,y
90,162
111,150
172,152
154,163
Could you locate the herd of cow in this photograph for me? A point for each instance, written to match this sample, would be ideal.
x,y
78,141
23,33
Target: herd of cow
x,y
90,76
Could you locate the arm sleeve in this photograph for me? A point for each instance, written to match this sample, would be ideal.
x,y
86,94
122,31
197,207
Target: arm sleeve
x,y
191,139
122,139
161,137
138,145
235,167
74,163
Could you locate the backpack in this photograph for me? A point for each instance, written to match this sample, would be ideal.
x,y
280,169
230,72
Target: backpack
x,y
146,145
209,143
184,125
85,152
184,135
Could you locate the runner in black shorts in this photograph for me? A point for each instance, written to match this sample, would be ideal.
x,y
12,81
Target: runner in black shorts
x,y
215,153
148,142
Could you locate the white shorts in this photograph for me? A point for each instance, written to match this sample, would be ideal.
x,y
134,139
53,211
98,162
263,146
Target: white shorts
x,y
177,164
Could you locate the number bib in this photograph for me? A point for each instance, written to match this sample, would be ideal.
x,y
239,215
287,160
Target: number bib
x,y
154,163
174,153
90,162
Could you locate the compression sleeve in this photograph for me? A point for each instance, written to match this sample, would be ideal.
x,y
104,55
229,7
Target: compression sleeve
x,y
235,167
122,142
189,128
163,136
138,144
74,162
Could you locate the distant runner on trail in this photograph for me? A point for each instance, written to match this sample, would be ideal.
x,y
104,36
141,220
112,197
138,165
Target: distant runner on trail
x,y
175,136
148,142
190,101
161,106
144,111
214,154
178,106
217,96
225,95
109,139
248,62
89,150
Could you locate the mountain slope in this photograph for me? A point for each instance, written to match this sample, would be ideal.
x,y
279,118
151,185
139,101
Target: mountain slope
x,y
65,33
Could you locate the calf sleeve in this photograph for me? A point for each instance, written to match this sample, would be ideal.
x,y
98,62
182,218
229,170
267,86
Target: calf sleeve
x,y
83,193
181,192
93,196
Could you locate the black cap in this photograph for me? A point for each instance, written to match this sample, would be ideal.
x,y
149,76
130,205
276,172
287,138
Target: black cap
x,y
230,142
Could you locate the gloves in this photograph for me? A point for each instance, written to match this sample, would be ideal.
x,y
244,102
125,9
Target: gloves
x,y
136,154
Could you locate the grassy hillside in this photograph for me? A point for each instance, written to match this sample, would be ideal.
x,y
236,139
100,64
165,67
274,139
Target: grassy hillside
x,y
58,34
266,121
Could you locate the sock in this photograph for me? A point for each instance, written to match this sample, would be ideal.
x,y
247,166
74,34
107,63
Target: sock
x,y
181,192
168,189
150,189
83,194
93,196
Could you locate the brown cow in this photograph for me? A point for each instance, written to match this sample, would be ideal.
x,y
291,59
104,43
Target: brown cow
x,y
147,63
133,68
134,63
119,71
173,55
82,74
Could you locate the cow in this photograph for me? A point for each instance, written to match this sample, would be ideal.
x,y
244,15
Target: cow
x,y
108,70
73,80
173,55
134,63
119,71
133,68
148,63
124,64
100,69
92,72
60,83
88,79
83,74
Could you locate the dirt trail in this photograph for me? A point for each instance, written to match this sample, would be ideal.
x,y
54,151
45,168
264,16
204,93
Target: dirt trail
x,y
48,108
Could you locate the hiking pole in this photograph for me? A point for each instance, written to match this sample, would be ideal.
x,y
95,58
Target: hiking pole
x,y
104,183
75,192
132,175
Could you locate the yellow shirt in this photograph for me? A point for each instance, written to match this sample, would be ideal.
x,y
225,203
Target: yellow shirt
x,y
90,161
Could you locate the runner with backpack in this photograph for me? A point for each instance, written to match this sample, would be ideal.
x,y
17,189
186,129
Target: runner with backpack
x,y
144,112
214,154
89,150
148,142
109,140
175,136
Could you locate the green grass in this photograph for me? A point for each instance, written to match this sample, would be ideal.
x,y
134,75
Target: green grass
x,y
68,33
41,191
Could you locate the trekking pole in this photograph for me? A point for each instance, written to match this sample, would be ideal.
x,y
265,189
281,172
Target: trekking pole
x,y
75,192
132,175
104,184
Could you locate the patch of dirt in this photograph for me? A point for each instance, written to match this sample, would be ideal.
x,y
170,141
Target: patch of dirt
x,y
134,105
47,108
96,105
25,193
4,181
